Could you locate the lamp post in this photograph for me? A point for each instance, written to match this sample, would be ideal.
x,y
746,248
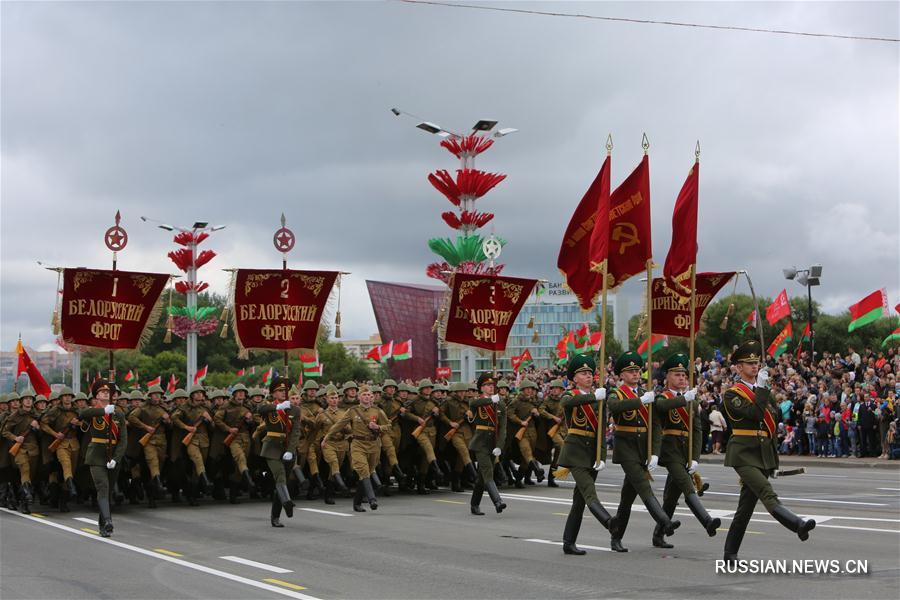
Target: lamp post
x,y
808,278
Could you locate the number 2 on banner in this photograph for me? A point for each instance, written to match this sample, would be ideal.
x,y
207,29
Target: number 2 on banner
x,y
285,285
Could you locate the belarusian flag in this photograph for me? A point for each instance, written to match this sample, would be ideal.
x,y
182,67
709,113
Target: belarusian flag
x,y
750,321
526,357
200,375
310,361
582,335
403,350
374,354
658,343
240,373
267,376
129,376
173,384
156,381
780,343
562,356
894,337
385,351
315,371
806,337
869,309
594,342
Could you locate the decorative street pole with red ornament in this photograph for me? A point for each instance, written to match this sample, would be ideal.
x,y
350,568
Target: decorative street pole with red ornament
x,y
190,322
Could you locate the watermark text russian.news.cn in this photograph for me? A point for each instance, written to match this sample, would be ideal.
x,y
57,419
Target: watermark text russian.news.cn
x,y
759,566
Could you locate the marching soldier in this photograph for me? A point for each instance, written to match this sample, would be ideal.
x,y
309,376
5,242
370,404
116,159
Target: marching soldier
x,y
553,411
349,391
335,448
7,494
489,420
150,421
235,420
282,430
423,412
674,405
586,418
523,414
631,416
176,475
751,451
21,429
366,423
391,404
62,424
306,447
456,415
194,419
108,438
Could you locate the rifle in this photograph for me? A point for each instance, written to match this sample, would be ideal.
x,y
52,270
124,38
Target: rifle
x,y
229,439
521,432
14,449
552,431
418,430
54,445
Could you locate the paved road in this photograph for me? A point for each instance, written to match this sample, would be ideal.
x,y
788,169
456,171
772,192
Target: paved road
x,y
430,547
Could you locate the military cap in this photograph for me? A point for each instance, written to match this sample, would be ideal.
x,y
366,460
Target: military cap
x,y
197,388
12,396
678,363
320,392
27,393
238,388
310,385
54,396
581,362
330,389
557,383
218,394
459,386
527,383
424,383
439,387
102,384
388,383
179,393
4,399
377,389
155,389
748,352
629,361
279,383
78,396
136,395
65,391
504,385
349,385
40,398
472,386
484,379
402,387
255,391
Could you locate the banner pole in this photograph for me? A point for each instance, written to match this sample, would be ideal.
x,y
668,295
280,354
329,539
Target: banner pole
x,y
649,358
691,359
602,364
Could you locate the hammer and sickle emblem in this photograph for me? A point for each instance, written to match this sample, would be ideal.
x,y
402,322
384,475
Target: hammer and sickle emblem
x,y
626,234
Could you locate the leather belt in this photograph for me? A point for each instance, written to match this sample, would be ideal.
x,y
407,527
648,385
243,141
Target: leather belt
x,y
485,427
677,432
274,434
103,441
583,432
630,429
750,432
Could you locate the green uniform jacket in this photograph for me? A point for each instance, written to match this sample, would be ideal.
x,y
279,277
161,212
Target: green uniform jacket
x,y
487,439
98,434
422,407
675,447
454,410
520,410
19,423
750,450
192,415
231,414
631,446
273,443
581,450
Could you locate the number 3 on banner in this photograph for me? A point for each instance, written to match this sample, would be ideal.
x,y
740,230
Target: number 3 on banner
x,y
285,285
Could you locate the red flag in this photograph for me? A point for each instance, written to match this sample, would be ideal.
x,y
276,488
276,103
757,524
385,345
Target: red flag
x,y
779,309
629,225
173,384
683,249
156,381
200,375
374,354
577,251
26,366
779,344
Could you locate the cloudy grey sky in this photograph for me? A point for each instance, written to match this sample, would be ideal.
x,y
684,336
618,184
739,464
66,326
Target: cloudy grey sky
x,y
236,112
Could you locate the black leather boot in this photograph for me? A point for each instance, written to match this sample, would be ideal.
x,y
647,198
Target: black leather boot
x,y
399,475
233,494
600,514
420,486
206,485
520,477
339,484
500,475
659,540
454,482
329,491
369,493
494,495
26,498
276,512
376,481
63,502
669,526
797,524
285,498
732,545
471,475
71,489
358,499
435,470
248,480
570,534
538,470
315,486
475,501
551,478
709,524
615,545
105,522
301,479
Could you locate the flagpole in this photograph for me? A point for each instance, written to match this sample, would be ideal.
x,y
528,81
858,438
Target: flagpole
x,y
649,359
602,365
691,351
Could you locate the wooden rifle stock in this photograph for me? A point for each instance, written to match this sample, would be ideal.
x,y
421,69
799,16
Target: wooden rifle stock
x,y
418,430
54,445
449,435
187,439
553,430
14,449
521,432
229,439
145,439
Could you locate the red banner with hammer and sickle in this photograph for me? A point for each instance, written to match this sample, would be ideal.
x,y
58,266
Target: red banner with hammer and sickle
x,y
672,311
483,309
279,309
629,226
109,309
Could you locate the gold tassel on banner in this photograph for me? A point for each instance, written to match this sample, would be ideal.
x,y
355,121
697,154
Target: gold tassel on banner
x,y
170,320
724,324
337,316
54,320
167,339
244,354
224,333
224,315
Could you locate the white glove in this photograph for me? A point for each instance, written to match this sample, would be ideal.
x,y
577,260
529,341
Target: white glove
x,y
648,398
599,466
600,394
692,468
496,452
495,398
762,378
287,456
111,464
690,395
283,405
654,462
109,409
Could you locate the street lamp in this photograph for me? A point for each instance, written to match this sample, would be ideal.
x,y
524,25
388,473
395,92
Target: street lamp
x,y
808,278
191,297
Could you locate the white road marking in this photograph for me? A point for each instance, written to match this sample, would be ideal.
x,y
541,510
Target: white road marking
x,y
85,520
253,563
889,489
327,512
720,514
173,560
803,499
552,543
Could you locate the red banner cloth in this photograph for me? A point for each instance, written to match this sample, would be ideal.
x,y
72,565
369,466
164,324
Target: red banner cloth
x,y
683,249
671,315
483,309
109,309
779,309
629,226
279,309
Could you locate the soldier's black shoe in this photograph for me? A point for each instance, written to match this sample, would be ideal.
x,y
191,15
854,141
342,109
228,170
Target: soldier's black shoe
x,y
369,491
276,513
709,524
797,524
358,499
329,492
399,475
233,494
63,504
71,489
470,473
339,482
28,492
494,495
551,479
615,545
436,473
105,520
285,498
659,541
538,470
600,513
476,510
499,475
206,484
571,548
420,488
454,483
659,515
570,534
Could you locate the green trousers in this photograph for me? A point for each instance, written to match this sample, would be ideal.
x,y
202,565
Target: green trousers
x,y
635,484
103,480
678,483
585,492
276,468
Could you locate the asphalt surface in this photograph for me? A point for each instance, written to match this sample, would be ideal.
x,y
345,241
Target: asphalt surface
x,y
431,547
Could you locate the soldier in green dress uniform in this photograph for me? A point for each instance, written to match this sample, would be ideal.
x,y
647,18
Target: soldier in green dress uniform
x,y
107,440
586,419
281,420
629,408
751,412
489,422
674,406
